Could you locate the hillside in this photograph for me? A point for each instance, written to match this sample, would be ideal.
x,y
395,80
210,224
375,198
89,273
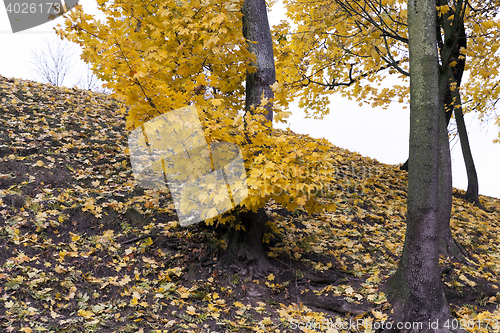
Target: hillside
x,y
84,250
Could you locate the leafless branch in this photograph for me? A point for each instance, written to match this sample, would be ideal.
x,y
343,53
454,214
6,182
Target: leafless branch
x,y
53,62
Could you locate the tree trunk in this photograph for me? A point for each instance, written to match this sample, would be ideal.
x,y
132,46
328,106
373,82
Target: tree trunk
x,y
455,38
472,194
257,31
245,251
415,290
447,245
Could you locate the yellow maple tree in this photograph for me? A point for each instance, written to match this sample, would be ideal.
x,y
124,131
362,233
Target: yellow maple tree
x,y
354,47
163,55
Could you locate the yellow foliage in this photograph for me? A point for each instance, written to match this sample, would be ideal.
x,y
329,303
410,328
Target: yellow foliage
x,y
334,47
169,55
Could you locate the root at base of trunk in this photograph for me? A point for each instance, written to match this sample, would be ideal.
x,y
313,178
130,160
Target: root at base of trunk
x,y
449,248
245,253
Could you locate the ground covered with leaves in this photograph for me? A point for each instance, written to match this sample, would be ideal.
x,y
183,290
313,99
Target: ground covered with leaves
x,y
82,249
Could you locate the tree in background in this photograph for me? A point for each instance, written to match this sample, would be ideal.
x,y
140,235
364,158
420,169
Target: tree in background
x,y
56,61
53,62
89,81
415,290
163,55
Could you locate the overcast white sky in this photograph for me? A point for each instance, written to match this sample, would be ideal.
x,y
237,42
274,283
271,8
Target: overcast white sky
x,y
377,133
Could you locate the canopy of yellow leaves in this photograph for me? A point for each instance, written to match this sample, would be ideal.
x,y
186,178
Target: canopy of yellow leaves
x,y
163,55
351,47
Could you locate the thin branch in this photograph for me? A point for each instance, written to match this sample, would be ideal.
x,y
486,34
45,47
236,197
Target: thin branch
x,y
393,62
352,80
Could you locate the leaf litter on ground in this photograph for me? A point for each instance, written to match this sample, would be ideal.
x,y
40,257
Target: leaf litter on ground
x,y
84,249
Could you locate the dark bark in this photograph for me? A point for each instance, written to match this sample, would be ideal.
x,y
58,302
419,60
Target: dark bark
x,y
415,290
245,251
472,193
257,31
455,38
447,245
449,52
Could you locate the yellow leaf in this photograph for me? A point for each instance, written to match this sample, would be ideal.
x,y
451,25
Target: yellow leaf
x,y
72,292
379,315
86,314
126,279
267,321
271,277
483,315
488,24
443,9
191,310
183,294
216,102
148,241
238,304
275,86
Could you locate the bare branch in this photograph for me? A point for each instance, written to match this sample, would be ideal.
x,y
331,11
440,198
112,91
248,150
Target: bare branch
x,y
53,62
393,62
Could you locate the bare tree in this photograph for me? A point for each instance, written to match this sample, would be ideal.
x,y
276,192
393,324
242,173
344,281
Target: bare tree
x,y
54,61
88,81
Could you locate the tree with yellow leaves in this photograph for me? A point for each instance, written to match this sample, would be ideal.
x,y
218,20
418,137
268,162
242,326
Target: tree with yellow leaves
x,y
352,47
160,56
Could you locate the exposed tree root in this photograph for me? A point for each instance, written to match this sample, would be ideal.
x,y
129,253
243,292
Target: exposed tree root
x,y
245,253
336,304
449,248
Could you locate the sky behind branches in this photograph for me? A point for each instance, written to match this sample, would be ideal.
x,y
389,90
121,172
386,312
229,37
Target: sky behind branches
x,y
374,132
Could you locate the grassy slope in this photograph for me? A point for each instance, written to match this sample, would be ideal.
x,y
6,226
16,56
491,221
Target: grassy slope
x,y
83,250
